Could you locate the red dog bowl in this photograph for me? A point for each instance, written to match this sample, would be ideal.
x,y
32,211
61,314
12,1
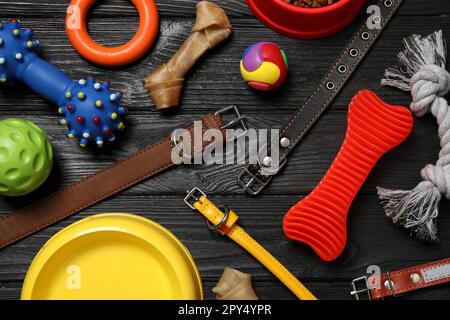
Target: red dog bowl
x,y
307,23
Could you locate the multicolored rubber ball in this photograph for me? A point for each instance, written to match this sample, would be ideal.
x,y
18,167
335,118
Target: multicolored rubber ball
x,y
264,66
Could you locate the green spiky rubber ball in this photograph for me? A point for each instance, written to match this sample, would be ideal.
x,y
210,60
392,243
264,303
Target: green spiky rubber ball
x,y
26,157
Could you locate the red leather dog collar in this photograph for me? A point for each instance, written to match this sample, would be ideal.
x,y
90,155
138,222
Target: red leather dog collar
x,y
399,282
118,56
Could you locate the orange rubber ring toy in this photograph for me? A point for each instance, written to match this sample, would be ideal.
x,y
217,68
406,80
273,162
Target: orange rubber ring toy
x,y
118,56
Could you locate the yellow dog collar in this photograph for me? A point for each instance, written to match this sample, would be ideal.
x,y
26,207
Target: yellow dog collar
x,y
225,222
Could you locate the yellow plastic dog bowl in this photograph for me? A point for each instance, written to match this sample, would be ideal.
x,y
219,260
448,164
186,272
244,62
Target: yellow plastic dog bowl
x,y
113,257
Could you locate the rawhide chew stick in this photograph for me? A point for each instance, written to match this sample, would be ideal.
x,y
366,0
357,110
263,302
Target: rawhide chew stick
x,y
422,72
211,28
374,128
235,285
90,110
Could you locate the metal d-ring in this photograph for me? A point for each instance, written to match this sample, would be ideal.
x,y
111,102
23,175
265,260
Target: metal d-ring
x,y
222,222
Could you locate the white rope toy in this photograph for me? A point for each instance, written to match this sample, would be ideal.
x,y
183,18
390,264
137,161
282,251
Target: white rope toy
x,y
422,71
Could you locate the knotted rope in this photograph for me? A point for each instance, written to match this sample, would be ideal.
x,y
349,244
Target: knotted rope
x,y
422,71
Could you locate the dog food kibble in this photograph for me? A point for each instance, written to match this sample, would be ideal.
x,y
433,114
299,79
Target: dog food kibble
x,y
311,3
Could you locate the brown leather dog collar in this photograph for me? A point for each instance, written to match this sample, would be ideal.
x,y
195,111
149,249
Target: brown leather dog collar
x,y
105,183
394,283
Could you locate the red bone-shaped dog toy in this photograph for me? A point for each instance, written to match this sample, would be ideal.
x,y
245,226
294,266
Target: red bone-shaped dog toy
x,y
374,128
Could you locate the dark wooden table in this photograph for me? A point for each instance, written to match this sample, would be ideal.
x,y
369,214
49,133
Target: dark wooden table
x,y
215,83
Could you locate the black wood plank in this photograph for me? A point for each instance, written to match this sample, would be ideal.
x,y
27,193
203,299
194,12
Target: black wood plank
x,y
372,240
215,83
313,156
178,8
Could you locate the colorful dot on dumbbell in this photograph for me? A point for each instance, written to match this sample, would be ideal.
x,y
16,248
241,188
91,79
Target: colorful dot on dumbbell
x,y
71,134
81,95
116,96
122,111
28,33
99,141
105,85
83,142
32,43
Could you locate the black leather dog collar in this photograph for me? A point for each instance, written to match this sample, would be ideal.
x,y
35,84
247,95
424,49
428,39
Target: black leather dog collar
x,y
256,176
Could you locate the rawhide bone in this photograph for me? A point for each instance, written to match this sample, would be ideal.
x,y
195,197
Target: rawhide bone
x,y
235,285
374,128
211,28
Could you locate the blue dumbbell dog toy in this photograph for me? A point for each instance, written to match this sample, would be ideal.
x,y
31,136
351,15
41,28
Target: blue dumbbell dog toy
x,y
91,111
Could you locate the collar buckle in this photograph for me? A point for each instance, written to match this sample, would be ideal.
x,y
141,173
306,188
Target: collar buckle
x,y
360,287
193,196
239,119
252,180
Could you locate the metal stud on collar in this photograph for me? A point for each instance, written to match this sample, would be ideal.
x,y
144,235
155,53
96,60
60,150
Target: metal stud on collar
x,y
389,285
415,278
285,142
